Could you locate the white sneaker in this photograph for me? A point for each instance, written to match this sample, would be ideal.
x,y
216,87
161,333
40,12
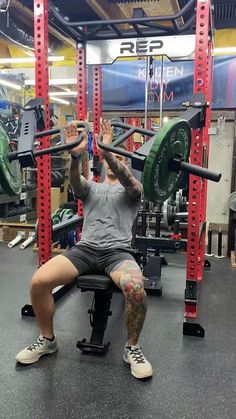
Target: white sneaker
x,y
40,347
140,367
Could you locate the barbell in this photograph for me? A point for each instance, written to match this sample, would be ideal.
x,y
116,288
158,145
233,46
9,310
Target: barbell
x,y
162,159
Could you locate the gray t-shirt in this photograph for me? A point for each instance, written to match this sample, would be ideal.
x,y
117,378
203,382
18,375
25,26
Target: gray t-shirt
x,y
109,214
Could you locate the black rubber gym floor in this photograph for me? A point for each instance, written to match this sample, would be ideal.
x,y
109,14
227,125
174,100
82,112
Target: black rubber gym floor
x,y
193,377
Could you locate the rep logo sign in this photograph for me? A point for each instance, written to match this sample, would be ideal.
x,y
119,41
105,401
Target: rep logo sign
x,y
106,51
143,47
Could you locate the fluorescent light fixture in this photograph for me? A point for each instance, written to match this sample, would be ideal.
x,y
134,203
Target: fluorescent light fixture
x,y
63,93
10,84
225,50
54,58
56,99
66,89
28,60
19,60
54,82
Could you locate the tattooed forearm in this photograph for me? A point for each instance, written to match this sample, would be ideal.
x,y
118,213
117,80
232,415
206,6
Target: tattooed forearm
x,y
77,181
123,173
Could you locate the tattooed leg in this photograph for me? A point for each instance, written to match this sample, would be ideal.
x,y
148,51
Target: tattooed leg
x,y
128,276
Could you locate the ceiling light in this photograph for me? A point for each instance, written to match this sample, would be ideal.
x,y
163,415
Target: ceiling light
x,y
28,60
10,84
56,58
53,82
66,89
63,93
225,50
56,99
19,60
165,119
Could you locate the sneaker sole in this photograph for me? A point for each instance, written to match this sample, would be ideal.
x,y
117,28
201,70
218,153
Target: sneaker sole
x,y
148,375
32,361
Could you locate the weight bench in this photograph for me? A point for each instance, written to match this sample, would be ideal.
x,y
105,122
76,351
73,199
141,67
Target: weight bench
x,y
103,288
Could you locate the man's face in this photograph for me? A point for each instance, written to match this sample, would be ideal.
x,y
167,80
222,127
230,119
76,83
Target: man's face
x,y
108,171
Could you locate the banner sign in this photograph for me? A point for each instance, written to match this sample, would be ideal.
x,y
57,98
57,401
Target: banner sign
x,y
179,47
124,85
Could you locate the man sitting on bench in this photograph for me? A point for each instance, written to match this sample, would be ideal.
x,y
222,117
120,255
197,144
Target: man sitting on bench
x,y
110,209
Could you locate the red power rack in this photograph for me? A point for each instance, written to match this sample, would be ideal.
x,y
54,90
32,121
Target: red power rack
x,y
199,149
97,112
199,156
43,162
81,102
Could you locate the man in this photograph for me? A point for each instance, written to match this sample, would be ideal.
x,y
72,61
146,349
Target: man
x,y
110,209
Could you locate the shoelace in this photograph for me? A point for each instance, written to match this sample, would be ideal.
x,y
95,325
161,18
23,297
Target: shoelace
x,y
39,342
137,355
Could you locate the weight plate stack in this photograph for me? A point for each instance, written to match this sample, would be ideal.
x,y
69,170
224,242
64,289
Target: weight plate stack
x,y
10,173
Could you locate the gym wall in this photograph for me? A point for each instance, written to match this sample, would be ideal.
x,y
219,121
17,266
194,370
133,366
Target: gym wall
x,y
220,159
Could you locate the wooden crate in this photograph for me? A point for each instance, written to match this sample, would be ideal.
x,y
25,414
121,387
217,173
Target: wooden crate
x,y
10,230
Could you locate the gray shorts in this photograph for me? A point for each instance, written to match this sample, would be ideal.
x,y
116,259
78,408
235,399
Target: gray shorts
x,y
88,260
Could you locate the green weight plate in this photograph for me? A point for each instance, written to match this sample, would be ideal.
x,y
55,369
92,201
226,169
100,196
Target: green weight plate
x,y
66,214
57,216
158,181
10,173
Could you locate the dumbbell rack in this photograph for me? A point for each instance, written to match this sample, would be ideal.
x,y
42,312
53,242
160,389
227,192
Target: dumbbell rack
x,y
25,199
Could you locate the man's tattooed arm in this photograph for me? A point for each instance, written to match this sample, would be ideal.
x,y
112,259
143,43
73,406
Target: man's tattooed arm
x,y
124,175
78,182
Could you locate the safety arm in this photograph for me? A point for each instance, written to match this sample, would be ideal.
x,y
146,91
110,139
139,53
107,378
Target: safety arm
x,y
78,182
124,175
